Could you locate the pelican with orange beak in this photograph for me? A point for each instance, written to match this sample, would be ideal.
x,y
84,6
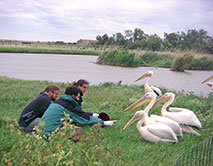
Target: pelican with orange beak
x,y
153,132
184,117
150,97
210,84
148,88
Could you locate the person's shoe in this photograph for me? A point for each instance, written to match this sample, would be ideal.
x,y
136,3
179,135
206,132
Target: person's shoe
x,y
78,134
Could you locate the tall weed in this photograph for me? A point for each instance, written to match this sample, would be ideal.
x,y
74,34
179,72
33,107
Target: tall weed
x,y
152,57
180,62
203,63
118,57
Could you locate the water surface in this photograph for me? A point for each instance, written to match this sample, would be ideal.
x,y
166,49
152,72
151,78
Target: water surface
x,y
69,68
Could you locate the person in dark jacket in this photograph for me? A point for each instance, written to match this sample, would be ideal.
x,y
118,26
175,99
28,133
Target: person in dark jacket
x,y
68,104
32,113
83,85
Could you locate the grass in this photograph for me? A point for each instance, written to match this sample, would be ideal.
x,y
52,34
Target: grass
x,y
122,148
177,62
48,50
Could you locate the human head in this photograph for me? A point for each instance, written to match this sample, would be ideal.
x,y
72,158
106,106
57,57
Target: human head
x,y
73,91
82,85
53,91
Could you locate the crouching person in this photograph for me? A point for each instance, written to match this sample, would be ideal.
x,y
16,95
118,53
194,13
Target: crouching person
x,y
32,113
67,104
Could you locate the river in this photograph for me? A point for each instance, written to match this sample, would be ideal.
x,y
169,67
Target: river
x,y
69,68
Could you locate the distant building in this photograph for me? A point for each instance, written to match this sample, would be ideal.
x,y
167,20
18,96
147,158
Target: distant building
x,y
85,42
26,42
59,42
71,43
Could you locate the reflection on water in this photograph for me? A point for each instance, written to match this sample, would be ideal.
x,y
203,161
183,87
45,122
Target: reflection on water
x,y
69,68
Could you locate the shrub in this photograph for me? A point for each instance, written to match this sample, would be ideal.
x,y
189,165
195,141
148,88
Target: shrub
x,y
203,63
181,62
155,59
31,149
149,57
115,57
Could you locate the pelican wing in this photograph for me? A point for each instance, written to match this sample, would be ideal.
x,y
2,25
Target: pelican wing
x,y
175,109
183,116
187,129
169,122
162,131
147,135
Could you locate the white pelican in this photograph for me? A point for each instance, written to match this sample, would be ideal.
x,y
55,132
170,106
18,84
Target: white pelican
x,y
153,132
148,88
151,98
210,84
184,117
208,79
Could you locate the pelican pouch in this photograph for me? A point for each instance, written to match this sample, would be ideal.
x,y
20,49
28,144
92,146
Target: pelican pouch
x,y
28,116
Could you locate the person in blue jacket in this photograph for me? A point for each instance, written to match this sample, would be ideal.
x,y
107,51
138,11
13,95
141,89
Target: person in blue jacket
x,y
68,104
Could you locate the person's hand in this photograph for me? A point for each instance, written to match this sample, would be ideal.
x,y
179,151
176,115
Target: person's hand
x,y
109,122
95,115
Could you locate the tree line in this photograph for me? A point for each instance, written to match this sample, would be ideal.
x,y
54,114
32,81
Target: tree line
x,y
193,39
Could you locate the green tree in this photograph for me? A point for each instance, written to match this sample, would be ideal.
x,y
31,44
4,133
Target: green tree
x,y
194,39
172,38
208,47
99,39
139,35
167,45
119,39
105,38
102,39
129,35
154,42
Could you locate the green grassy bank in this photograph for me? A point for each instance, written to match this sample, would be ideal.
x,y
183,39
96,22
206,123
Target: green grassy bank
x,y
101,146
48,50
179,61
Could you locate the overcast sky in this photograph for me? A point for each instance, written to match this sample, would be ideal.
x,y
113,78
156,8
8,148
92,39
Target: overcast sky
x,y
71,20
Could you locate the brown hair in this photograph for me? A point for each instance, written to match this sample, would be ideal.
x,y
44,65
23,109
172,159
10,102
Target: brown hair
x,y
81,82
51,88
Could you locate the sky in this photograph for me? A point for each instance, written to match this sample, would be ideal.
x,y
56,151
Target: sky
x,y
71,20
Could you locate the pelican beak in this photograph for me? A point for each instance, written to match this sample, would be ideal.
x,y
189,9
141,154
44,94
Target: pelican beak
x,y
162,99
143,76
208,79
134,118
138,103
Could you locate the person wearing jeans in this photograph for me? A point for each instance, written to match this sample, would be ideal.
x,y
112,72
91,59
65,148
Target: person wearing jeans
x,y
32,113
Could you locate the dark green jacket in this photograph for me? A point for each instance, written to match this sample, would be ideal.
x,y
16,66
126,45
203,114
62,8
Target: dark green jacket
x,y
54,113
